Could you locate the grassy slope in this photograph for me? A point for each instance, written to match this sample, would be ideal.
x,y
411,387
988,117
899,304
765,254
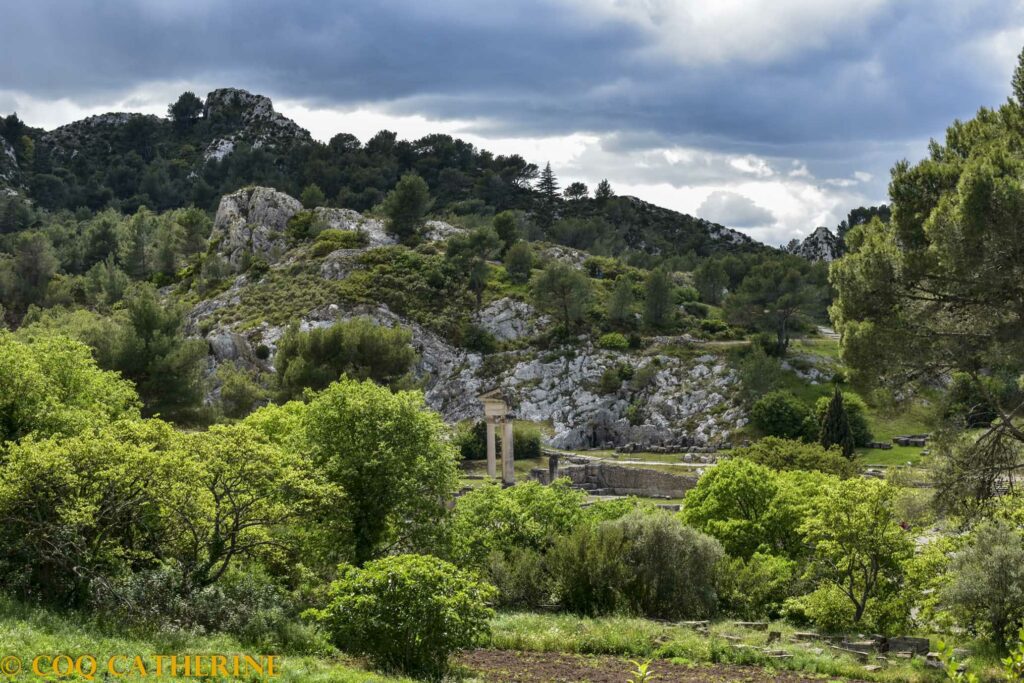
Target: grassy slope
x,y
28,632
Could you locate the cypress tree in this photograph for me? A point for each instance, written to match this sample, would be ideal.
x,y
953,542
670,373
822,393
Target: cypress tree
x,y
835,426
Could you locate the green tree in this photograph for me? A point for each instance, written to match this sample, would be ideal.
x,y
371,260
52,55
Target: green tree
x,y
934,291
32,269
505,225
835,426
858,543
711,280
657,299
185,110
50,385
547,201
470,252
406,206
856,415
986,582
408,613
153,352
564,292
749,507
773,297
621,302
576,191
789,454
781,414
312,196
391,457
519,262
603,192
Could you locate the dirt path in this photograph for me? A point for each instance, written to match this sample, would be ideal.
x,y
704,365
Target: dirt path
x,y
548,667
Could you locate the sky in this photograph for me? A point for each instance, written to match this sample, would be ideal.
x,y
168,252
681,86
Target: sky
x,y
768,116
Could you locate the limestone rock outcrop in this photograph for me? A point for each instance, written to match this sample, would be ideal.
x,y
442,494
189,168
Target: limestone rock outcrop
x,y
820,245
251,223
253,120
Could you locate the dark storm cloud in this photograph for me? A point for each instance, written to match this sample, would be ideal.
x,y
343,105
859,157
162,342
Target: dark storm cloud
x,y
528,67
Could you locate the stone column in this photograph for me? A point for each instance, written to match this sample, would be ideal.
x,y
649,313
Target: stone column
x,y
508,470
552,467
492,456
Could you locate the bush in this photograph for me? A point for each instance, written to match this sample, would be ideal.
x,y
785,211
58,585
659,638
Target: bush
x,y
359,348
788,454
827,608
521,578
519,263
643,563
302,226
239,392
343,239
759,374
758,587
476,338
986,592
408,613
610,382
780,414
696,309
856,414
615,341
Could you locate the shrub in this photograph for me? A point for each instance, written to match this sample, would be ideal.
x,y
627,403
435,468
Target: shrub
x,y
521,577
756,588
359,348
986,592
610,382
476,338
780,414
491,518
643,563
759,374
615,341
696,309
302,226
263,352
239,392
789,454
827,608
408,613
332,238
519,263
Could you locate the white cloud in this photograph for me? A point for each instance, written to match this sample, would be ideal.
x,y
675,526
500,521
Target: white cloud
x,y
734,210
723,31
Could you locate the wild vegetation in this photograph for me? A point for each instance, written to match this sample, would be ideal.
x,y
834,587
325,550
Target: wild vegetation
x,y
309,502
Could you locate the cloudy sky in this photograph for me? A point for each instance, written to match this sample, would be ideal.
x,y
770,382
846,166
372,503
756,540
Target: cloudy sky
x,y
769,116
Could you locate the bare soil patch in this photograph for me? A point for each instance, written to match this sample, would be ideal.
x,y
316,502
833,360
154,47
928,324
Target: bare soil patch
x,y
508,666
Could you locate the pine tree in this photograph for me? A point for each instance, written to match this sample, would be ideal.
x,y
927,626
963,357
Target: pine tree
x,y
603,192
548,201
657,299
620,305
835,426
1018,79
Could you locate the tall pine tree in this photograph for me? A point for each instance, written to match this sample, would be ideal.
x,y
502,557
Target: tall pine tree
x,y
547,203
835,426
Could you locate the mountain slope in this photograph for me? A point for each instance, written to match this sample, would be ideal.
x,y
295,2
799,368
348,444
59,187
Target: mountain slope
x,y
127,160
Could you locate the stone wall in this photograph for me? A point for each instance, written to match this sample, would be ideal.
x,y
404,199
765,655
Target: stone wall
x,y
604,479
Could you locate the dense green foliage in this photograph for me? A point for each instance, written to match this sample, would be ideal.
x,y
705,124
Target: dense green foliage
x,y
357,348
780,414
408,613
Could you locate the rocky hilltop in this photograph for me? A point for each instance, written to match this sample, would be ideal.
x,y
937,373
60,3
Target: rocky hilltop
x,y
251,119
820,245
671,401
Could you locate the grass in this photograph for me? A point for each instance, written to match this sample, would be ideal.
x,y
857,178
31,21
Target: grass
x,y
27,632
643,639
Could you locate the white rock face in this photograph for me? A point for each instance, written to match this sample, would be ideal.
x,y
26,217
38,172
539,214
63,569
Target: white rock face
x,y
820,245
347,219
258,124
253,220
8,163
508,319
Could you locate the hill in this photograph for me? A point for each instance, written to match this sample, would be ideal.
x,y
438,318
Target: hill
x,y
206,149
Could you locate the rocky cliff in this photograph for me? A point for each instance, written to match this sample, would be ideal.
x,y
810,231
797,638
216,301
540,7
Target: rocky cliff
x,y
249,118
671,400
820,245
